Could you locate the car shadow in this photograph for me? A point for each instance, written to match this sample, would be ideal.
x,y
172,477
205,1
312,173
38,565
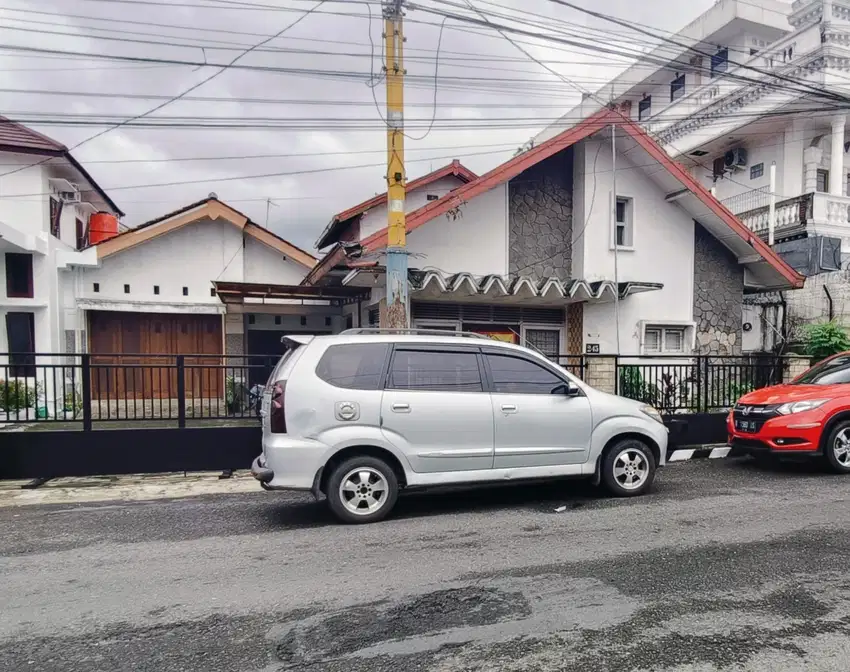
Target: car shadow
x,y
543,497
787,466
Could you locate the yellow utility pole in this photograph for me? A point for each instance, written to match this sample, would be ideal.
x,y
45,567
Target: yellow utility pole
x,y
395,315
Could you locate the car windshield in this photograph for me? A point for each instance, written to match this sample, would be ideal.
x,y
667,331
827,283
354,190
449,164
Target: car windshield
x,y
832,371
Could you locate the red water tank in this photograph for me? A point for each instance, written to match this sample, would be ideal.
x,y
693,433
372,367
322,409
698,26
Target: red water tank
x,y
102,226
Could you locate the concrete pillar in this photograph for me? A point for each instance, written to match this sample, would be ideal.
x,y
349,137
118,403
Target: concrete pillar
x,y
601,373
836,168
812,158
791,173
794,365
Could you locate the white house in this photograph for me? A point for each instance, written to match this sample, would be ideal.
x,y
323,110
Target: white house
x,y
46,200
750,89
534,251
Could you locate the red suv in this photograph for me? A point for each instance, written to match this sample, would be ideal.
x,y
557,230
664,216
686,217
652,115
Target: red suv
x,y
809,416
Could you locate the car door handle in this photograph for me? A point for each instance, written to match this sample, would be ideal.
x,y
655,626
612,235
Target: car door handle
x,y
401,408
509,408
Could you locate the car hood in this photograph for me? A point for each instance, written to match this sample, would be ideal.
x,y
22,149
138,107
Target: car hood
x,y
780,394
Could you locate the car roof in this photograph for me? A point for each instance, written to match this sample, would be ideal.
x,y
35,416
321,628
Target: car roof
x,y
423,339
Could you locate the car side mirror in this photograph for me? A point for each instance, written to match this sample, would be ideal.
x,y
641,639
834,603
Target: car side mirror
x,y
566,389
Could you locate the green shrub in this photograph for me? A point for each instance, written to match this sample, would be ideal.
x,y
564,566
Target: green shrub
x,y
824,339
16,395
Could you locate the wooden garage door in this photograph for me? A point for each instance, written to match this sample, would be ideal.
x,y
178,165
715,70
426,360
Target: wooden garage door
x,y
133,355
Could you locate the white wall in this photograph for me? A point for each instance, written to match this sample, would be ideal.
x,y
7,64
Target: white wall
x,y
663,253
476,242
264,264
376,218
192,256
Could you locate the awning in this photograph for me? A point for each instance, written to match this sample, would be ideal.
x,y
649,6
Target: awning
x,y
502,288
252,292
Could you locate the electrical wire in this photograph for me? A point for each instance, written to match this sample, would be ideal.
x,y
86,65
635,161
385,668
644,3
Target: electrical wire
x,y
185,92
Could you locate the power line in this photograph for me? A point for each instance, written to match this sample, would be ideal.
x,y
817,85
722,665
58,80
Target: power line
x,y
185,92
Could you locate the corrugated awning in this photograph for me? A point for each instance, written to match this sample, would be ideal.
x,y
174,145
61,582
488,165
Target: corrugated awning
x,y
503,288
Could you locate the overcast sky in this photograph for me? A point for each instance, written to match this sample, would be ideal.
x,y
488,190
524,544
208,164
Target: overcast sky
x,y
345,133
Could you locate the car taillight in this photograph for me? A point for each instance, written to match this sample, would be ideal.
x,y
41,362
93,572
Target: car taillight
x,y
277,414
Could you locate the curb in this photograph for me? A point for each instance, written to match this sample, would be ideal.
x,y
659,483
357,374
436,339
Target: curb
x,y
711,452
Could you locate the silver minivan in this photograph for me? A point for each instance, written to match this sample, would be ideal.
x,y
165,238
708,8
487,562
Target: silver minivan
x,y
362,414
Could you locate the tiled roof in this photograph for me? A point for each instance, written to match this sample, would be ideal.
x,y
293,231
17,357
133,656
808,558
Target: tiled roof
x,y
15,135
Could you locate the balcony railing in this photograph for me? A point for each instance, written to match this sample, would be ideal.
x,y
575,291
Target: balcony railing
x,y
749,200
793,215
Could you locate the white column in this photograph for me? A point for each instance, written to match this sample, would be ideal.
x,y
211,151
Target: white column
x,y
792,174
836,169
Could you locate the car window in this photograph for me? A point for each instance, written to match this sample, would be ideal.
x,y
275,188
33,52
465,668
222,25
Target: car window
x,y
433,370
519,376
832,371
355,366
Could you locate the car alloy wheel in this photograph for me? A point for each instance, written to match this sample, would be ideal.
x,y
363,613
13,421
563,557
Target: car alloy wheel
x,y
363,491
841,447
631,469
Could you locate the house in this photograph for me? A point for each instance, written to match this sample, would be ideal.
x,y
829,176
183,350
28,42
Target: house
x,y
751,97
46,202
202,280
545,250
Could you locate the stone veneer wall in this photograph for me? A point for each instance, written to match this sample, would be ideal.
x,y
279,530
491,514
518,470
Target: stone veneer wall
x,y
234,344
718,296
540,215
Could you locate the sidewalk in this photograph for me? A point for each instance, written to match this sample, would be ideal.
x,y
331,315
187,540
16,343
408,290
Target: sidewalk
x,y
135,487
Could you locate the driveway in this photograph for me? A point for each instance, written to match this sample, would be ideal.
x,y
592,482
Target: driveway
x,y
725,566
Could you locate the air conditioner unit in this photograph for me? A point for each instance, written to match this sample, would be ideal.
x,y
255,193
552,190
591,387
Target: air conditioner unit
x,y
70,196
735,158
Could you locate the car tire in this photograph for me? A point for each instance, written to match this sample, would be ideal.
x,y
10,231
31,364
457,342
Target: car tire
x,y
628,468
836,459
362,489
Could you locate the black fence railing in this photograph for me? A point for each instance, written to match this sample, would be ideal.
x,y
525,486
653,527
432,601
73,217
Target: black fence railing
x,y
695,384
89,388
575,364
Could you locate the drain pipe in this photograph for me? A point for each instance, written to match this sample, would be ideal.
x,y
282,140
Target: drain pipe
x,y
829,301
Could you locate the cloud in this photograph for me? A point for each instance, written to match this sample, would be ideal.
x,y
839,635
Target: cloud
x,y
500,97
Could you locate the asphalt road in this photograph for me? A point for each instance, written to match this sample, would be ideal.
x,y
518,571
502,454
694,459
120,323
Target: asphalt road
x,y
725,566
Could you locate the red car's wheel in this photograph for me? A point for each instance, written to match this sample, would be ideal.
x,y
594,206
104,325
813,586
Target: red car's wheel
x,y
836,450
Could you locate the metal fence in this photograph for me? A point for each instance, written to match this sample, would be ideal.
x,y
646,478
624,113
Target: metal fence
x,y
696,384
108,388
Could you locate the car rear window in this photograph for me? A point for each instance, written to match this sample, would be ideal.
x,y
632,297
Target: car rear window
x,y
354,366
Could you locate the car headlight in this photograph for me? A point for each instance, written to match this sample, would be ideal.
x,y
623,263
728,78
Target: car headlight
x,y
652,413
800,406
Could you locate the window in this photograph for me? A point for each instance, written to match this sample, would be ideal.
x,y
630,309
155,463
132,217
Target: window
x,y
95,287
832,371
664,340
55,216
81,234
823,181
623,233
677,88
251,319
513,375
720,62
126,289
354,367
20,335
185,291
327,321
545,341
432,197
756,171
436,371
19,276
303,320
156,289
645,108
212,291
277,319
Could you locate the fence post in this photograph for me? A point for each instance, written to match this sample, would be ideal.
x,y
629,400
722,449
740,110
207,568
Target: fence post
x,y
181,391
706,384
601,373
86,392
794,365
